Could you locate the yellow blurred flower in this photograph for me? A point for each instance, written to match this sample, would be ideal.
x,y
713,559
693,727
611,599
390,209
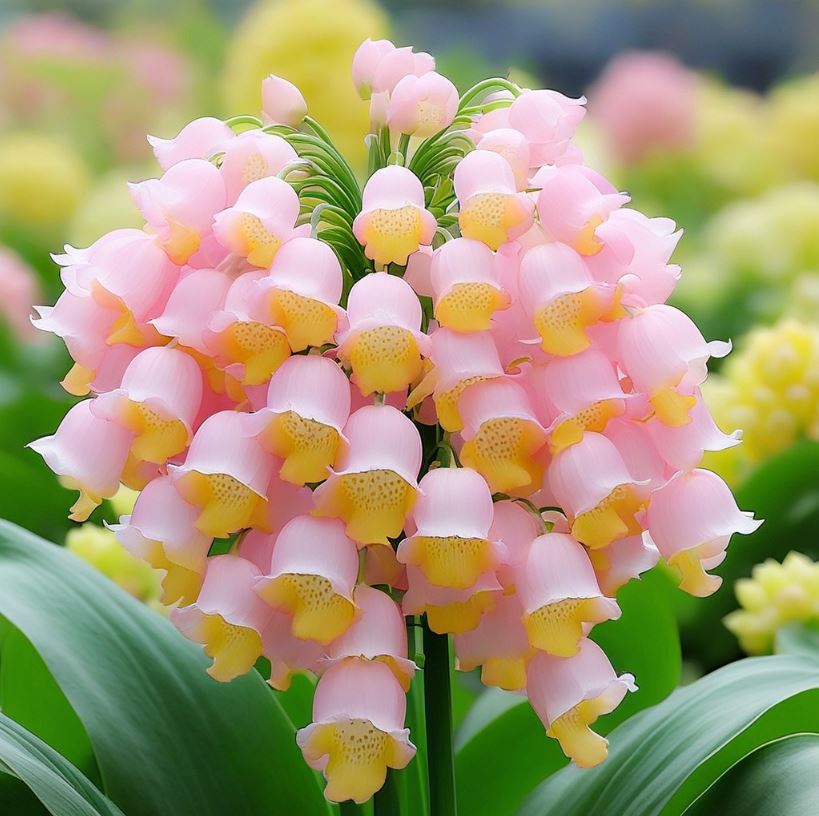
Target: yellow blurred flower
x,y
99,547
42,180
794,117
776,595
310,43
769,390
123,501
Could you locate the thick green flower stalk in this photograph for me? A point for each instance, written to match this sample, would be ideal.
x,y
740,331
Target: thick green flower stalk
x,y
451,403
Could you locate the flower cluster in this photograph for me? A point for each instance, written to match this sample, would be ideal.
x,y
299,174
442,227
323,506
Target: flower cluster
x,y
457,393
770,389
776,595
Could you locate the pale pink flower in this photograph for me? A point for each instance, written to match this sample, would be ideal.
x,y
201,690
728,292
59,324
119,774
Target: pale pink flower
x,y
498,644
395,64
259,222
421,106
225,474
179,207
308,404
569,694
288,655
593,486
451,545
366,60
645,103
548,120
560,596
227,617
465,285
491,208
357,730
513,146
199,139
19,291
312,572
375,485
393,222
301,292
665,356
162,531
251,156
562,299
691,520
66,452
516,527
503,438
623,560
282,102
417,273
383,344
573,202
378,633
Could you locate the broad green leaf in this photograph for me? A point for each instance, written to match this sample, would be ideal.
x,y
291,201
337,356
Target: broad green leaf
x,y
798,639
662,759
62,789
167,738
31,697
502,747
779,779
785,492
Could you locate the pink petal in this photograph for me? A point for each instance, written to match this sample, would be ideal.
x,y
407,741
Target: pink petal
x,y
197,140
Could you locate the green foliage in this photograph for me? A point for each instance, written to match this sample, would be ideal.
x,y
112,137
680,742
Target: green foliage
x,y
662,759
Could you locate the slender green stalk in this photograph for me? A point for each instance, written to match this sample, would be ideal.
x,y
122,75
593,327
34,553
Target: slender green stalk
x,y
386,801
438,696
349,808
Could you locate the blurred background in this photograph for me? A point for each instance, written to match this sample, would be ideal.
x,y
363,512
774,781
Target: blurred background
x,y
705,111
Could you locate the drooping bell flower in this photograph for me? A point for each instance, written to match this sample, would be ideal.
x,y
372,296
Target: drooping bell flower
x,y
560,596
366,59
585,393
162,531
375,485
313,570
569,694
503,439
453,515
377,633
641,456
199,139
227,618
460,361
665,356
396,63
513,146
357,730
623,560
251,156
288,655
516,527
548,120
592,484
384,343
282,102
691,520
491,208
158,401
67,453
244,344
301,293
573,202
417,273
259,222
393,222
225,475
179,207
449,611
191,305
308,404
421,106
465,286
499,645
562,299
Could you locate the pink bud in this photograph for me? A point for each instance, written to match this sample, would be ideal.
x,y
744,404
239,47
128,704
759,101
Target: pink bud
x,y
421,106
282,102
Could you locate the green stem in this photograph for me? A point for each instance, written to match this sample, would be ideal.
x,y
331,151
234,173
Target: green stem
x,y
349,808
386,801
438,696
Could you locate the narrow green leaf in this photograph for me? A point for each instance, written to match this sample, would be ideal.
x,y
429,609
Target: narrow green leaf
x,y
663,758
779,779
167,738
62,789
